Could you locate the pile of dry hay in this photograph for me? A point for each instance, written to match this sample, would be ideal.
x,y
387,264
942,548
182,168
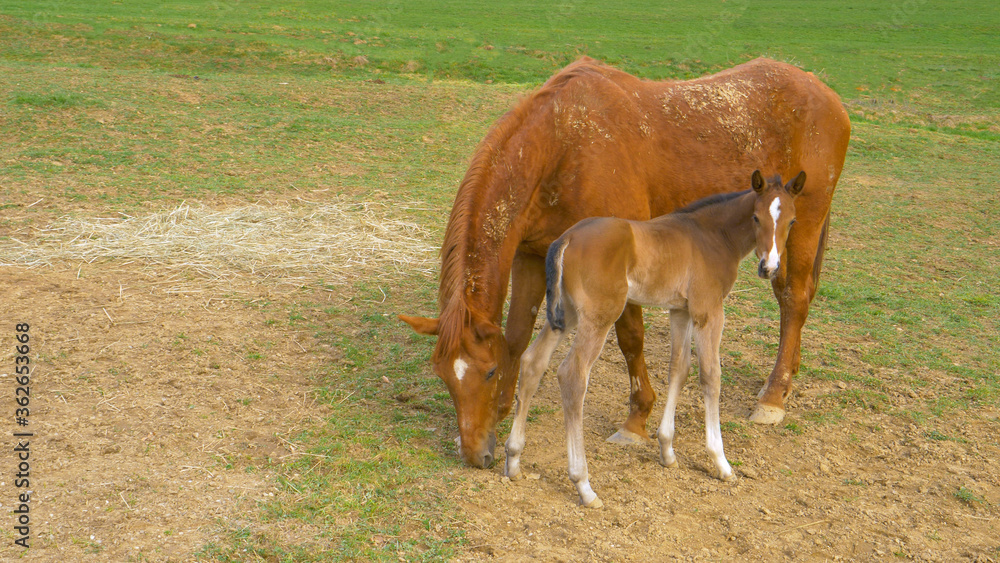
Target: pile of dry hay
x,y
335,243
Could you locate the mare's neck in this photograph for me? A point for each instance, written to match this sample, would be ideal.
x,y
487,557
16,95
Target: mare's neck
x,y
489,218
483,234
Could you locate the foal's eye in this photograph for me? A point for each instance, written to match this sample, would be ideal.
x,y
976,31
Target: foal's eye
x,y
756,220
490,374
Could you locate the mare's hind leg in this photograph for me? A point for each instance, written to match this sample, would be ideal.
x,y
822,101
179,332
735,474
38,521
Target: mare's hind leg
x,y
574,374
707,339
680,365
526,293
630,333
533,364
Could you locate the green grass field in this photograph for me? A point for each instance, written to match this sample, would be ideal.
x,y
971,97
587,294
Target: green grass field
x,y
127,105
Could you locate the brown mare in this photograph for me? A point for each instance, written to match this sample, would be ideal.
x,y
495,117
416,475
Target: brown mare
x,y
686,261
595,141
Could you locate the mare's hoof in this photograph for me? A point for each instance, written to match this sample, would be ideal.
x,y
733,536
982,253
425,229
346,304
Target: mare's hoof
x,y
628,438
766,414
596,503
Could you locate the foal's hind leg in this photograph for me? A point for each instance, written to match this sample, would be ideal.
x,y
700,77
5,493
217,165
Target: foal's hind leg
x,y
574,374
630,331
533,364
680,365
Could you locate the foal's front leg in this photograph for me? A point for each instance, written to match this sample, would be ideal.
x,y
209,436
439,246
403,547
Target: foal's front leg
x,y
680,365
574,374
534,361
708,338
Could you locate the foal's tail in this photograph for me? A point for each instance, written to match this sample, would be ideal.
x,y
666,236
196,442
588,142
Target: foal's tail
x,y
554,311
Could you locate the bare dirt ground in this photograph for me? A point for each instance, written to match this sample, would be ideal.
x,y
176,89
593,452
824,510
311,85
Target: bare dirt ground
x,y
140,395
865,487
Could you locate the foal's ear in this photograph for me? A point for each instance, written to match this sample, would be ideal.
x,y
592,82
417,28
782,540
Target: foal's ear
x,y
422,325
757,181
794,186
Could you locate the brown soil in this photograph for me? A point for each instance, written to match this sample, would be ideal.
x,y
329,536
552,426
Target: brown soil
x,y
139,396
864,486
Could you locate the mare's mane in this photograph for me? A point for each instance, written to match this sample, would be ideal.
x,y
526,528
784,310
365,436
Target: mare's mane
x,y
454,307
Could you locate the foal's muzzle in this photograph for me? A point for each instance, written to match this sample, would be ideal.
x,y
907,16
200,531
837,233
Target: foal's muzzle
x,y
764,272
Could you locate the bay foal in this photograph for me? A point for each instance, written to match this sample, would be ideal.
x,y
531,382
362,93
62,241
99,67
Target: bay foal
x,y
686,261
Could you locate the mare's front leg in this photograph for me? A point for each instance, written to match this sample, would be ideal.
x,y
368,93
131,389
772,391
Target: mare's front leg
x,y
708,337
527,291
631,332
795,286
533,364
574,374
680,365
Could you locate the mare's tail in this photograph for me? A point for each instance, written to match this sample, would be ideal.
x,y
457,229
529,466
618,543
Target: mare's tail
x,y
554,311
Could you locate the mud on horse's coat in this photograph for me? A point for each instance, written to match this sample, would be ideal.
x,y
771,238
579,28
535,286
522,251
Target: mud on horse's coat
x,y
595,141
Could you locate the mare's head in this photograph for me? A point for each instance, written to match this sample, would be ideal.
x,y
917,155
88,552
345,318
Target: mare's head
x,y
468,358
773,217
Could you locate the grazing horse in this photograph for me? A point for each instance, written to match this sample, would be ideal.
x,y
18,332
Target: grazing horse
x,y
686,261
595,141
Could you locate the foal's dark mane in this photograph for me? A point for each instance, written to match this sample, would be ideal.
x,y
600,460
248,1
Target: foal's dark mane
x,y
710,201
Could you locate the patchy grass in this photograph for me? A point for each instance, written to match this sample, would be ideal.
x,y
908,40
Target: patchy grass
x,y
374,480
968,497
128,106
145,137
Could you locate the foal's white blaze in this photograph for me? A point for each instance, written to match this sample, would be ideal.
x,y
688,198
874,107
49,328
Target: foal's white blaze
x,y
773,257
460,367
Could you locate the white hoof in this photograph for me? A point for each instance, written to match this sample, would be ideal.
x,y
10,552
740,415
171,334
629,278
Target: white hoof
x,y
512,471
670,462
588,497
627,438
766,414
726,474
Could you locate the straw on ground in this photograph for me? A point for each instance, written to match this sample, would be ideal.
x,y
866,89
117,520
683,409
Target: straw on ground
x,y
334,242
